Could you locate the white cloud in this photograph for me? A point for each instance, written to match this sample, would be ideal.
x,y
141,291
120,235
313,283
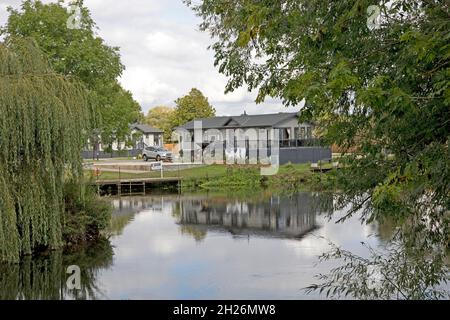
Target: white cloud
x,y
164,54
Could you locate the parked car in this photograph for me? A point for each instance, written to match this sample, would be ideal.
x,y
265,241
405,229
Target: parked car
x,y
157,153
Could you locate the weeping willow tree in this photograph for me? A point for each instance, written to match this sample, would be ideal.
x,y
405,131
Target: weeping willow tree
x,y
43,120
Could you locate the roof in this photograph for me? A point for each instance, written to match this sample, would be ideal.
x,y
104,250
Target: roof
x,y
242,121
145,128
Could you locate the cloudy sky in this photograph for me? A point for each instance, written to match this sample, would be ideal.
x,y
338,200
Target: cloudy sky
x,y
164,53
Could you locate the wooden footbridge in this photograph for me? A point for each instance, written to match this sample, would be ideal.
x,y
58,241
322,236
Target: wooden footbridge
x,y
136,185
136,177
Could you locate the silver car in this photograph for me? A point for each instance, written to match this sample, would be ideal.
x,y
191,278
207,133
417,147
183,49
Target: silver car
x,y
157,153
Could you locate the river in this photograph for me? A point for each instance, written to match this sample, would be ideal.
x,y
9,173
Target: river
x,y
199,246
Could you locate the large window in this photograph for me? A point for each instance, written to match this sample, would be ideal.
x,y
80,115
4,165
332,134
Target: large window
x,y
308,133
284,134
302,133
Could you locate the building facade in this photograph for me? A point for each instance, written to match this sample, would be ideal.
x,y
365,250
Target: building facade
x,y
141,136
253,138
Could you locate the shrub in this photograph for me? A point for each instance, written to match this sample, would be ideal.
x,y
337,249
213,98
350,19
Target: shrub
x,y
86,214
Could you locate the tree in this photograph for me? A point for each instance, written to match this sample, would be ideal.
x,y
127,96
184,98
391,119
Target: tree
x,y
192,106
43,126
160,117
75,52
385,90
118,111
383,87
81,54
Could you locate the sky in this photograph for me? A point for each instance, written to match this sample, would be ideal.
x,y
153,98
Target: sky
x,y
165,54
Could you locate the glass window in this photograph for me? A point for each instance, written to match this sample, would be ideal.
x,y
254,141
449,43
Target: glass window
x,y
309,132
302,133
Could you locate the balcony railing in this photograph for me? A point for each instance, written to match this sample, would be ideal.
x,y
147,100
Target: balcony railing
x,y
293,143
286,143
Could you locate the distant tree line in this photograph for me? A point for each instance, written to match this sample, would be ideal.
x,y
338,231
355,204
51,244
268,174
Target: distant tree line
x,y
192,106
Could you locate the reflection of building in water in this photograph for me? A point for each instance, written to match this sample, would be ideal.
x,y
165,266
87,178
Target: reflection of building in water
x,y
275,216
125,208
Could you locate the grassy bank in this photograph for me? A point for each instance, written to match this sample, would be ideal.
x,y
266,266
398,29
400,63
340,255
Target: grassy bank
x,y
289,177
214,177
211,171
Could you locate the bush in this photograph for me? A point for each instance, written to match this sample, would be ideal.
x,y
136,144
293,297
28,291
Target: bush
x,y
86,214
236,177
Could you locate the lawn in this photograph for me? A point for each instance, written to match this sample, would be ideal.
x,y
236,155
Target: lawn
x,y
215,177
199,172
210,171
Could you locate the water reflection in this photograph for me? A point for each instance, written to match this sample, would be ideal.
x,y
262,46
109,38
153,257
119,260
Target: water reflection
x,y
273,216
202,246
44,277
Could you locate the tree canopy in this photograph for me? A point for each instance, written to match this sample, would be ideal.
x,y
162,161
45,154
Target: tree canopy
x,y
81,54
119,110
382,87
385,90
160,117
192,106
75,52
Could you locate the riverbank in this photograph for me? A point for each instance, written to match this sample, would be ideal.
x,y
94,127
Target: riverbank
x,y
293,177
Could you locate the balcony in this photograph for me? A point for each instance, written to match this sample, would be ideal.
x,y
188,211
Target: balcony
x,y
296,143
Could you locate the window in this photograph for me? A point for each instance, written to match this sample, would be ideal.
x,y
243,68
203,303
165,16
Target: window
x,y
302,133
308,132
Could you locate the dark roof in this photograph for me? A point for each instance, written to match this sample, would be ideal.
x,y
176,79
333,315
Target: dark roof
x,y
145,128
242,121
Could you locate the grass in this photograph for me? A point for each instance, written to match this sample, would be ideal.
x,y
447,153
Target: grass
x,y
289,176
210,171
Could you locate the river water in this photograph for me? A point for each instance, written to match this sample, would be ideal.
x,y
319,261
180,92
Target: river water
x,y
199,246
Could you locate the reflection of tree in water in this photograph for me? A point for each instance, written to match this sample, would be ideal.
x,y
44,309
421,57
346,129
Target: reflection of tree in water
x,y
412,264
196,233
44,277
118,224
125,210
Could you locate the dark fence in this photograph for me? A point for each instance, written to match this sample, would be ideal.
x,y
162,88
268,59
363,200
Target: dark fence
x,y
87,154
294,151
301,143
304,154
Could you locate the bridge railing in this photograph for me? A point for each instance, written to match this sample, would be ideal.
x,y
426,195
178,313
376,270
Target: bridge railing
x,y
155,170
